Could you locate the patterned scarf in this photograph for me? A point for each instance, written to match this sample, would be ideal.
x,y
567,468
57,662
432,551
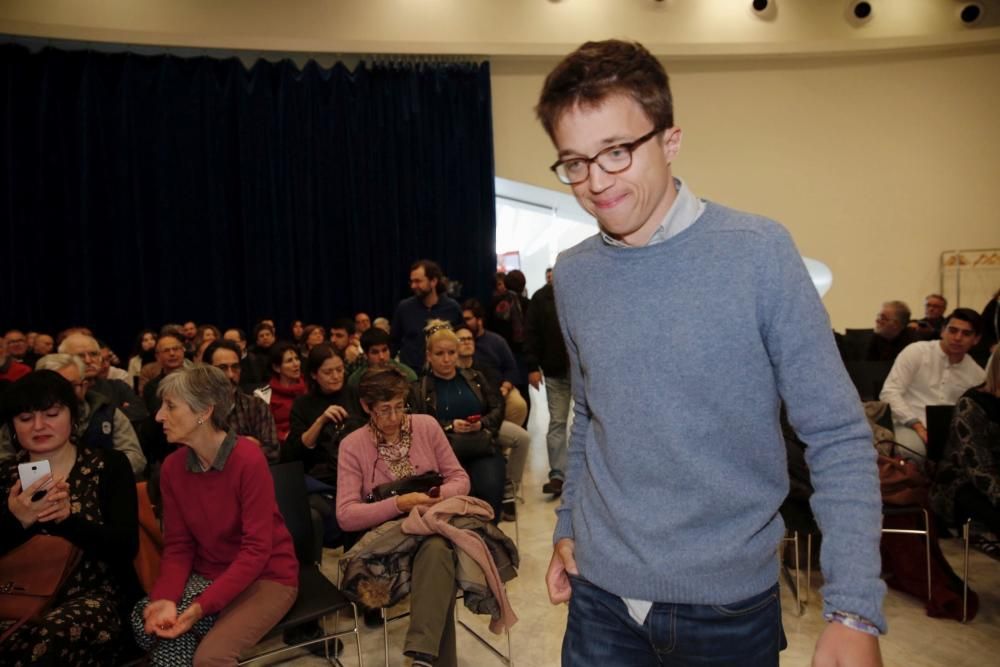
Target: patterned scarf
x,y
396,455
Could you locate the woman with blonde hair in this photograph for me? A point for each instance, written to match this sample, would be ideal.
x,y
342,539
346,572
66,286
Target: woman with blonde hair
x,y
469,409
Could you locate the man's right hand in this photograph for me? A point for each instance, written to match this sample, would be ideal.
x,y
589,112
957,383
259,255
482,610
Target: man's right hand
x,y
535,379
560,567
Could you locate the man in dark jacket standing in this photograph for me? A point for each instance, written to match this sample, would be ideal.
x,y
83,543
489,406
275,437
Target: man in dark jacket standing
x,y
545,352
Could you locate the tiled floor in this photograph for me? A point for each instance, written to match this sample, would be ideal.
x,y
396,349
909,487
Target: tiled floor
x,y
914,640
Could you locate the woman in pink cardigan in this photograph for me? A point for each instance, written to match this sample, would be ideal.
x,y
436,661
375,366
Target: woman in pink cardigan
x,y
395,445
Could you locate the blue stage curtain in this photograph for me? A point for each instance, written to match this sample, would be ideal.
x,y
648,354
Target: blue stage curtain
x,y
137,190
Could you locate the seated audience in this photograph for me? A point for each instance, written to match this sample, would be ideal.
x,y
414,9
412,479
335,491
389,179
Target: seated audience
x,y
90,502
204,335
492,351
144,352
228,572
929,326
319,421
375,345
99,424
383,324
44,344
967,483
153,370
263,338
119,393
285,386
396,445
297,331
312,335
17,345
110,365
933,372
341,332
362,322
169,359
10,368
514,441
250,377
891,333
469,410
250,417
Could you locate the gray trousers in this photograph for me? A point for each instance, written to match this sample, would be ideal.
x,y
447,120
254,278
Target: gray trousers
x,y
432,602
558,394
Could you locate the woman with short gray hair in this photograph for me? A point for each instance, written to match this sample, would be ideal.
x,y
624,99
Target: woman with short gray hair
x,y
229,571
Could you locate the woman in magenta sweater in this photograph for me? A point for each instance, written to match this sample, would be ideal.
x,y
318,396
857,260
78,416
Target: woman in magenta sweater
x,y
393,446
229,571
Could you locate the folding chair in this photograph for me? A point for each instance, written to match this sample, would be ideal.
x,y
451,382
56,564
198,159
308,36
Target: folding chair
x,y
317,596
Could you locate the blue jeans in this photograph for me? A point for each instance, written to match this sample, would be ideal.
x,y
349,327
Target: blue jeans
x,y
601,632
557,393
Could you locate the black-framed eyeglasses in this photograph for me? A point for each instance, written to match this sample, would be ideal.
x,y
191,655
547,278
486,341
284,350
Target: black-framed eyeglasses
x,y
612,160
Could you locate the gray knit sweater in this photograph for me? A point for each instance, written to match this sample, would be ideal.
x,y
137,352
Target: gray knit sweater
x,y
680,354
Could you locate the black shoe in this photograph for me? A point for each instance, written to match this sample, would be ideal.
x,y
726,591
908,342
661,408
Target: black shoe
x,y
373,618
553,486
508,511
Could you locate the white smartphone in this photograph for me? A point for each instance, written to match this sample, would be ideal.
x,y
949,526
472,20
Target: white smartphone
x,y
31,472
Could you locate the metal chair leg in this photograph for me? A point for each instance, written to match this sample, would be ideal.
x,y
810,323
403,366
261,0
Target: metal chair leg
x,y
927,542
385,635
966,530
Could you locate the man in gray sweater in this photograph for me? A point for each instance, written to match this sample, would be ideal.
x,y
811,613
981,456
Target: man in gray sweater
x,y
687,325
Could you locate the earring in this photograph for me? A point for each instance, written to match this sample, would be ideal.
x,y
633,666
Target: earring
x,y
200,421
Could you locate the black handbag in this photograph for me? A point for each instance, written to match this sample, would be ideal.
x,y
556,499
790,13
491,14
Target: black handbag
x,y
471,446
423,483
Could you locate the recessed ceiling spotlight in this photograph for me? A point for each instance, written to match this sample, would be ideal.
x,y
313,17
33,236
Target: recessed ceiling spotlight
x,y
759,5
971,13
862,10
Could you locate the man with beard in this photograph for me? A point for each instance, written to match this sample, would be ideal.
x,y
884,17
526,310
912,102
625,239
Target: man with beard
x,y
250,416
429,302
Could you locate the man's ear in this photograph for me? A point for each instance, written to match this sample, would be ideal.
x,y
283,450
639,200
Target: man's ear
x,y
672,143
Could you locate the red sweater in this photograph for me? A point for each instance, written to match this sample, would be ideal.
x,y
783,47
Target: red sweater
x,y
282,398
224,525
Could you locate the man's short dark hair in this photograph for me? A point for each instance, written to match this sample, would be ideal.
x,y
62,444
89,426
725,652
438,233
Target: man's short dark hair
x,y
240,333
260,326
598,70
967,315
515,281
220,344
374,336
477,309
345,323
432,270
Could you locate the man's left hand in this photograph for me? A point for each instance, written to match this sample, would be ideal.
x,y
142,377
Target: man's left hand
x,y
841,646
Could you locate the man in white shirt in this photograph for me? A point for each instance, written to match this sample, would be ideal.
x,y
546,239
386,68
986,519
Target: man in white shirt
x,y
933,372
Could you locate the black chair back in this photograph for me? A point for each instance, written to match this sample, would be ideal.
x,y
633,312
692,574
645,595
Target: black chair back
x,y
938,424
868,377
290,492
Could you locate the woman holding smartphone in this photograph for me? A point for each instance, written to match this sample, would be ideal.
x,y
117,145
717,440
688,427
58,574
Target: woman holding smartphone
x,y
87,497
468,408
